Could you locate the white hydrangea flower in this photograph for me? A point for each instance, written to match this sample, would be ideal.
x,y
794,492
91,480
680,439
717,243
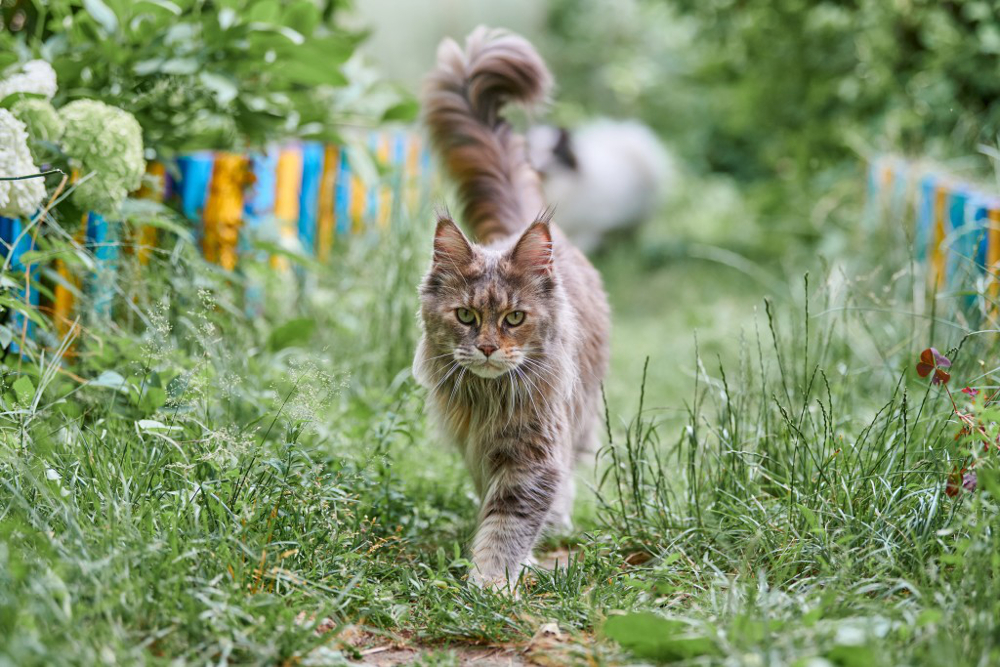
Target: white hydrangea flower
x,y
105,142
35,77
17,198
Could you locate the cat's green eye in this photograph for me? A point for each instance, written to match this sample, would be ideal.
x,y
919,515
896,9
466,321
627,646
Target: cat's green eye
x,y
465,316
514,318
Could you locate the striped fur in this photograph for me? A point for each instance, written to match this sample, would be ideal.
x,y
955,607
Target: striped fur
x,y
463,96
520,401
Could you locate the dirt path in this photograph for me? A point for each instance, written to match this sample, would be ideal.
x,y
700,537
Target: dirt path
x,y
546,648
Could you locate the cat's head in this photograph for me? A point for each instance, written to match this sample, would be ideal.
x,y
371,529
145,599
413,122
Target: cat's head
x,y
489,311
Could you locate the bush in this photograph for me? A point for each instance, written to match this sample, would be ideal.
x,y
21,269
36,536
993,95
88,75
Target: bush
x,y
792,88
198,74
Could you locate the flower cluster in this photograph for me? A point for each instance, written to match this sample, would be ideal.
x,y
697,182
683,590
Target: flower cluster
x,y
35,77
977,422
23,197
41,119
105,144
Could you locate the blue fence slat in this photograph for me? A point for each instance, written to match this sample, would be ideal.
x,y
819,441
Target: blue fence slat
x,y
259,202
373,194
312,175
195,175
102,242
979,216
342,194
15,245
959,247
925,215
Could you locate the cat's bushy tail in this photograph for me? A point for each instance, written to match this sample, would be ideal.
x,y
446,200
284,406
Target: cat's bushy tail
x,y
463,96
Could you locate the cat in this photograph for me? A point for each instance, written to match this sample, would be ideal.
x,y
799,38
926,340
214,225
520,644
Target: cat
x,y
515,321
606,175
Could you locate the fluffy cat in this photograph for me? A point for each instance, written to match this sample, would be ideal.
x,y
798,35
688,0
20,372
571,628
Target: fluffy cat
x,y
603,176
515,323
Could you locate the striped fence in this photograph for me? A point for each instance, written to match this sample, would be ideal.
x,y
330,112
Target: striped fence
x,y
312,191
307,194
955,224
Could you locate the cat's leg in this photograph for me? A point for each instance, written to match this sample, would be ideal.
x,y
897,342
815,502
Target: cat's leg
x,y
560,518
518,501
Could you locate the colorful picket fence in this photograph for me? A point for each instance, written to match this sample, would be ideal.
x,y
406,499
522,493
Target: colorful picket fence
x,y
313,193
955,225
307,194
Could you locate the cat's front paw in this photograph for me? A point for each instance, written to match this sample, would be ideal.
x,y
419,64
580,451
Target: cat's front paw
x,y
496,582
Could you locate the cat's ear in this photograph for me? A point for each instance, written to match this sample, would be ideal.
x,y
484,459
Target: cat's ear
x,y
533,250
451,249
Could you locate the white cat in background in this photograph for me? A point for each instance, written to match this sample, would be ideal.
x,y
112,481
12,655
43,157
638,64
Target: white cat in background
x,y
603,176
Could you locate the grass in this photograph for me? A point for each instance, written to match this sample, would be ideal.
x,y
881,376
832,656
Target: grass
x,y
266,489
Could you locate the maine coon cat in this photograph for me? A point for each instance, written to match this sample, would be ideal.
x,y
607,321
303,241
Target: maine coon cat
x,y
515,321
603,176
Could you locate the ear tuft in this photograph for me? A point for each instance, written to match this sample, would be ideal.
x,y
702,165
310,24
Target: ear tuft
x,y
534,249
451,249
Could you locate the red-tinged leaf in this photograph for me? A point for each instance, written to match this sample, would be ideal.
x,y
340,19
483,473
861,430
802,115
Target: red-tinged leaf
x,y
954,484
932,360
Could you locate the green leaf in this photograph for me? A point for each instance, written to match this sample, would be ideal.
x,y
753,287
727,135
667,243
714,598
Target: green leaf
x,y
177,386
24,390
180,66
110,380
292,36
223,88
302,16
264,11
8,101
311,74
654,637
404,111
152,400
293,332
164,4
28,311
6,336
102,14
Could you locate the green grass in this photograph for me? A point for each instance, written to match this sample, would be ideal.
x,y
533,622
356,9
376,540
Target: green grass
x,y
771,490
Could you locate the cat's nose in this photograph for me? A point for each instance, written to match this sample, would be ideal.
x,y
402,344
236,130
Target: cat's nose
x,y
487,349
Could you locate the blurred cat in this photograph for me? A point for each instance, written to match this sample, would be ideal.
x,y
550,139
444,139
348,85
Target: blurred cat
x,y
515,322
605,176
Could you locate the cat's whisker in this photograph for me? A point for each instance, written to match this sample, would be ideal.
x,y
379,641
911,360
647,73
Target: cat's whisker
x,y
444,369
512,401
454,389
440,356
451,370
541,369
533,392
